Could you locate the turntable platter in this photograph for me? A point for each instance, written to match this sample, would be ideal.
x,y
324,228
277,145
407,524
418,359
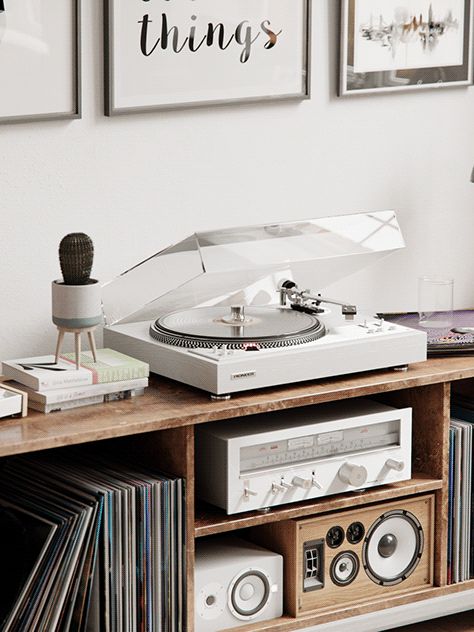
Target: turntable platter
x,y
237,327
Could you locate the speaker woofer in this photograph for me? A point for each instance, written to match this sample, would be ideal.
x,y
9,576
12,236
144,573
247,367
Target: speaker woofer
x,y
393,547
249,593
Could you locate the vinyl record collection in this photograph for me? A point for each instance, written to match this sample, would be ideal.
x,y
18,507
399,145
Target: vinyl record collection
x,y
90,544
461,489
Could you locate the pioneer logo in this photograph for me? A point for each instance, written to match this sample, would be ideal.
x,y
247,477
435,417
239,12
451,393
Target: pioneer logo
x,y
243,374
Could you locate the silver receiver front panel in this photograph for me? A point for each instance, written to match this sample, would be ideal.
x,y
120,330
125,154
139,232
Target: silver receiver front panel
x,y
293,455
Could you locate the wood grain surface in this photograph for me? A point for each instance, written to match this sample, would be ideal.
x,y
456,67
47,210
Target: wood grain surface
x,y
168,404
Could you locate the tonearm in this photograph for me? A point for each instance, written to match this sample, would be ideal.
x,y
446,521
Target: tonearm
x,y
306,301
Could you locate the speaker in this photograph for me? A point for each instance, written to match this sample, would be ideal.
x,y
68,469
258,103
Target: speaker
x,y
236,582
346,557
393,547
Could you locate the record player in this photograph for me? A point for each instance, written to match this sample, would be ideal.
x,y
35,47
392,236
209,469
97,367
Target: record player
x,y
225,311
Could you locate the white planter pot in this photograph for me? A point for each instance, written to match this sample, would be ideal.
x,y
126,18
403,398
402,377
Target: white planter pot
x,y
76,306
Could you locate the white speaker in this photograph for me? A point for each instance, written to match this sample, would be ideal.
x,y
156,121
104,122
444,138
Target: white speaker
x,y
236,582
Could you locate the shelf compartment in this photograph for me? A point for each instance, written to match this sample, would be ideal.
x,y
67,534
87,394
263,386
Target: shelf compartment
x,y
286,623
212,520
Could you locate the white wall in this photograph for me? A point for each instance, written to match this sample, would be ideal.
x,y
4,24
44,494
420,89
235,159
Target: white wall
x,y
138,183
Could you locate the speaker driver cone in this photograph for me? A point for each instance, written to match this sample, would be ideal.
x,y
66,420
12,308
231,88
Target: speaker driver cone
x,y
344,568
393,547
249,593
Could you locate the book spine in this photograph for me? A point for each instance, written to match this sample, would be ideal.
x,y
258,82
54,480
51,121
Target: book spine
x,y
65,395
50,408
104,375
54,380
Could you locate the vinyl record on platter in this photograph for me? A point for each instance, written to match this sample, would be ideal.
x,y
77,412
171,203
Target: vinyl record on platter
x,y
207,327
393,547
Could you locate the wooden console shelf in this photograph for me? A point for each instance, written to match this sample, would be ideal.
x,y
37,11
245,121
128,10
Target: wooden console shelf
x,y
210,520
160,427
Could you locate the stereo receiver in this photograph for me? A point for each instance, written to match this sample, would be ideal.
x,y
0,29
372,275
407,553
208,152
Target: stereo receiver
x,y
288,456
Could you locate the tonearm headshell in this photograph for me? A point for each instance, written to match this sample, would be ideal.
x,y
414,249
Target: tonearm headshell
x,y
305,301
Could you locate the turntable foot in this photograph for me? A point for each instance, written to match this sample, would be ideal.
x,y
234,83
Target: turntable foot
x,y
403,367
220,398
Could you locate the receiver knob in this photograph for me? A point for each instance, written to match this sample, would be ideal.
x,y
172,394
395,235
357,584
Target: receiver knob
x,y
305,483
398,466
315,483
355,475
276,487
249,492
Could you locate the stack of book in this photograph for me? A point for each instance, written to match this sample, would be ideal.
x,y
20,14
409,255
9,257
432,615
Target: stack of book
x,y
58,386
461,490
94,544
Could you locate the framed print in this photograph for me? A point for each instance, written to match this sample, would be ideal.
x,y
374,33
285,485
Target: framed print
x,y
40,65
163,54
405,45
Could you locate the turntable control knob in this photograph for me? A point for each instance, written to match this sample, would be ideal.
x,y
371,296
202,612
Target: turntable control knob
x,y
398,466
305,483
355,475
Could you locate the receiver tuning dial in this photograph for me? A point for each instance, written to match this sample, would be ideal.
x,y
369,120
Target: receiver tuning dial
x,y
351,474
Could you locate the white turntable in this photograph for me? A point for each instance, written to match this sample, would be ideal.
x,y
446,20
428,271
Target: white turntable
x,y
220,311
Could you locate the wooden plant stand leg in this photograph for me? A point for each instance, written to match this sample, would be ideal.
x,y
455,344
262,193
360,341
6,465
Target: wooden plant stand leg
x,y
90,335
59,344
77,342
77,346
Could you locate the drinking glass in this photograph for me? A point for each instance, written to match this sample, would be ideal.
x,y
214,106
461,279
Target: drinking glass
x,y
435,302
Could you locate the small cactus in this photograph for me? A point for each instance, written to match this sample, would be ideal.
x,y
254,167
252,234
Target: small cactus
x,y
76,254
